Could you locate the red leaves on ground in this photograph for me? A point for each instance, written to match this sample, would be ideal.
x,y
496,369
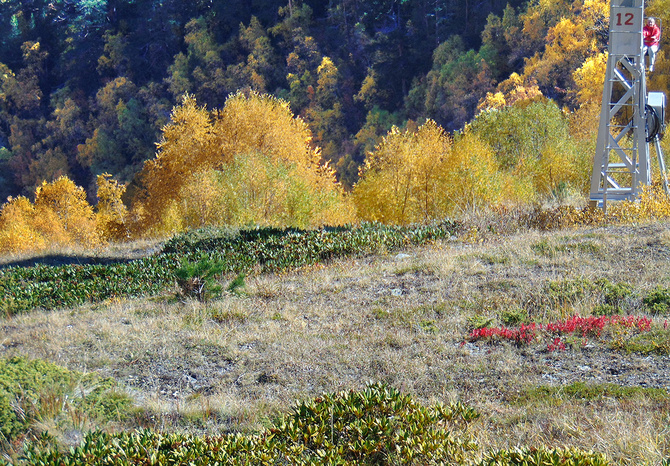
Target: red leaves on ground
x,y
584,326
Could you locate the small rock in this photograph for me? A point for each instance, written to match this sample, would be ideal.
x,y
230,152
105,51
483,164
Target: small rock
x,y
396,292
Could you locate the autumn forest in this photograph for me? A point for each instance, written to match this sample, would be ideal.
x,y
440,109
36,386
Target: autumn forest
x,y
143,118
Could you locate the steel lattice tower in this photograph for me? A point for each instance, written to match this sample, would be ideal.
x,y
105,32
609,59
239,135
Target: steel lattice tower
x,y
621,164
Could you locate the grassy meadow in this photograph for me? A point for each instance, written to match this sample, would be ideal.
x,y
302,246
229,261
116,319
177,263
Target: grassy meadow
x,y
404,315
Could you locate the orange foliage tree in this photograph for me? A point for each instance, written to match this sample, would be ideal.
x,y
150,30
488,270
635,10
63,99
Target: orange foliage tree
x,y
187,144
18,232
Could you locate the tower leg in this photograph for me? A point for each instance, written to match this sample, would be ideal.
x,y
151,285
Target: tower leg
x,y
661,165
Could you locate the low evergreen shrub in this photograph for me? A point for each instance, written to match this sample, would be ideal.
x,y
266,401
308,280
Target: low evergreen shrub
x,y
36,389
658,301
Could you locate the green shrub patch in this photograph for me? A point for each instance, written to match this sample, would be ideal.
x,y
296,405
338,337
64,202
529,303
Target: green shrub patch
x,y
33,390
543,456
658,301
245,251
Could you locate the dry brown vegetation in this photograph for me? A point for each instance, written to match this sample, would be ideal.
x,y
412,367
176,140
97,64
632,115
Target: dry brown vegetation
x,y
234,362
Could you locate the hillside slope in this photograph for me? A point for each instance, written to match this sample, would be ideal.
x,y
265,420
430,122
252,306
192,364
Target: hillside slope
x,y
404,319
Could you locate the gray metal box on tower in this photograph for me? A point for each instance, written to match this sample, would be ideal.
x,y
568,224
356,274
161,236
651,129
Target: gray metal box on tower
x,y
656,100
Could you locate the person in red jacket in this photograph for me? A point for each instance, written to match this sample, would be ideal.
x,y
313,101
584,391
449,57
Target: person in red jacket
x,y
651,35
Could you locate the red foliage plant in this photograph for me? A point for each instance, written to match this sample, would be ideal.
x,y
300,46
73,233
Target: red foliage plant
x,y
584,326
523,334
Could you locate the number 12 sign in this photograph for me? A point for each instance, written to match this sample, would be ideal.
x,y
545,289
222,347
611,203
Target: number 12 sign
x,y
624,19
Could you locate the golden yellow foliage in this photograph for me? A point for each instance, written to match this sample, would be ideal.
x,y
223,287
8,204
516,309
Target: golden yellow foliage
x,y
400,181
262,123
421,175
533,26
201,202
514,90
471,178
567,41
584,123
262,129
590,78
492,101
558,168
369,93
187,146
75,218
17,233
566,35
111,213
60,216
600,8
327,77
253,142
254,190
652,204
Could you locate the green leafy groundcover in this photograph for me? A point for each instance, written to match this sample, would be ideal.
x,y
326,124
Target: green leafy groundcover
x,y
36,389
261,249
375,426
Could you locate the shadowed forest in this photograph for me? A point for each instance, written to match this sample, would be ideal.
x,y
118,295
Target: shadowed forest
x,y
134,119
